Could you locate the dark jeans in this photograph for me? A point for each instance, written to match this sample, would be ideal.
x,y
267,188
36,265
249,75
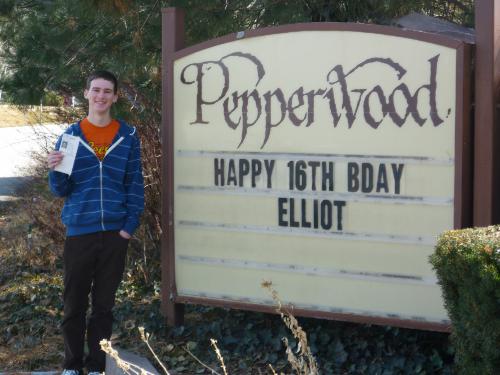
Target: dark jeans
x,y
93,264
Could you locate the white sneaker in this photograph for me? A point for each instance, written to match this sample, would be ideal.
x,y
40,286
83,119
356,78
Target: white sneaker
x,y
70,372
93,373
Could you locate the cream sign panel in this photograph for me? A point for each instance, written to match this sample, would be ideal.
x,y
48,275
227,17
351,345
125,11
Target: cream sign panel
x,y
322,161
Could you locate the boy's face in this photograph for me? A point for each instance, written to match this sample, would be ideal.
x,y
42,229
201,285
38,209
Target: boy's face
x,y
101,96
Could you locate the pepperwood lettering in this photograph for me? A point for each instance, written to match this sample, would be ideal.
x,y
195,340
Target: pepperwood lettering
x,y
244,108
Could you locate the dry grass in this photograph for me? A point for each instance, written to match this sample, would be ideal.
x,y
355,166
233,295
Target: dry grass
x,y
32,115
17,116
302,361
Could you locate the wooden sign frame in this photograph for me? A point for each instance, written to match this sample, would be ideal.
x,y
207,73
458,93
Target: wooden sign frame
x,y
173,49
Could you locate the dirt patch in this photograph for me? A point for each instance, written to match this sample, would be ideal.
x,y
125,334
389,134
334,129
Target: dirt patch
x,y
45,354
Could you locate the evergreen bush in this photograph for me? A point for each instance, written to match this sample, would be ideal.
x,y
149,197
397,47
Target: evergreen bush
x,y
467,263
52,98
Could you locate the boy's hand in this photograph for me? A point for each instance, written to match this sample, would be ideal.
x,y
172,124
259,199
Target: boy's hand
x,y
125,235
54,158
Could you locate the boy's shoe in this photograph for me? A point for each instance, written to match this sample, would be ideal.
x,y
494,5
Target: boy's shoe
x,y
71,372
95,373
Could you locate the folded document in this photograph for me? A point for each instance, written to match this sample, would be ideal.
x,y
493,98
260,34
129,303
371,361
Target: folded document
x,y
69,148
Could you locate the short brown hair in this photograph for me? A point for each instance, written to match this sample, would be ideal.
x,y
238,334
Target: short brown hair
x,y
104,74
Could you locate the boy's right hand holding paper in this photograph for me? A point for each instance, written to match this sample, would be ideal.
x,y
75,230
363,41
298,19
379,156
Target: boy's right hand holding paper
x,y
54,158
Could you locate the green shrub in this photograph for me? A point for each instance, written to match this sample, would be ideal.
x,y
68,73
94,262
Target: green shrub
x,y
51,98
467,263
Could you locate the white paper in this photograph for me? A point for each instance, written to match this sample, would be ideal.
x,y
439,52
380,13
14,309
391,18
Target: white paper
x,y
69,147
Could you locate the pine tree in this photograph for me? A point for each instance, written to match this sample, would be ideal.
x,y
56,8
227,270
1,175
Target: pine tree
x,y
52,45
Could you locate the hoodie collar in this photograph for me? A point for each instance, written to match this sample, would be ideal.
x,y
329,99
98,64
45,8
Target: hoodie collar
x,y
123,131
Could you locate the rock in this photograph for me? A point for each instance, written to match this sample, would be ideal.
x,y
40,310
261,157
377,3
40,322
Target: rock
x,y
113,369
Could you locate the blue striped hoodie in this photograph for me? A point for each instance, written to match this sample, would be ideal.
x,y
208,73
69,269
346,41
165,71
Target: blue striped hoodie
x,y
102,195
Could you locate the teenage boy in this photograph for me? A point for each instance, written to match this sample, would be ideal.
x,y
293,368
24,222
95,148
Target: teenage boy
x,y
104,198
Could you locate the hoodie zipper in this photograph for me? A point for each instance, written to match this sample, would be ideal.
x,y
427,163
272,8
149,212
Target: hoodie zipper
x,y
100,186
100,171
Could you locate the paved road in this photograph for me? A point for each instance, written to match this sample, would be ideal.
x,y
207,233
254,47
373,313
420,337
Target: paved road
x,y
16,147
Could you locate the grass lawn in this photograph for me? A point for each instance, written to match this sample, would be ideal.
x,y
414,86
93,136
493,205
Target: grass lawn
x,y
31,115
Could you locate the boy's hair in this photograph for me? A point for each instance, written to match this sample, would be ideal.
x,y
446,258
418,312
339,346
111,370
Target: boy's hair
x,y
104,74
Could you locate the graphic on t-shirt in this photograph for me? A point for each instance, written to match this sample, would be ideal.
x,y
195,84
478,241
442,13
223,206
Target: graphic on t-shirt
x,y
100,150
99,138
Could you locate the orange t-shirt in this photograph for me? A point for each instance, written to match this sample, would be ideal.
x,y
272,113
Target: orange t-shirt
x,y
99,138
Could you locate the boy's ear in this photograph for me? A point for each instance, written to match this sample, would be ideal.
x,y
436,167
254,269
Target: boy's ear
x,y
85,93
115,98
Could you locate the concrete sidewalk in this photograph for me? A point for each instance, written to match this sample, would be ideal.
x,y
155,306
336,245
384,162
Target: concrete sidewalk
x,y
16,147
111,365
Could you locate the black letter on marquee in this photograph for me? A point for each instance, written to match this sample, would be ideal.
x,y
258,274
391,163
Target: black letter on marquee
x,y
256,170
397,170
352,177
314,165
243,169
339,205
300,175
231,173
327,176
219,172
269,165
366,177
382,179
282,212
303,214
293,223
326,214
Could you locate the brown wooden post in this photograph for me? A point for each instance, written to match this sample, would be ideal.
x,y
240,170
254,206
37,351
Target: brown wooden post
x,y
486,121
463,139
172,40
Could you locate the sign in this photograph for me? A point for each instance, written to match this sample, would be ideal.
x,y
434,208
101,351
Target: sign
x,y
324,161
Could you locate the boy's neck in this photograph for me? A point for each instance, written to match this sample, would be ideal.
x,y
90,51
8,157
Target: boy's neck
x,y
99,120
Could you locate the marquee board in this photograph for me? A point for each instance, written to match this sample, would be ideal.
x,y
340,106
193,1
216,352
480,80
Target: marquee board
x,y
324,160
